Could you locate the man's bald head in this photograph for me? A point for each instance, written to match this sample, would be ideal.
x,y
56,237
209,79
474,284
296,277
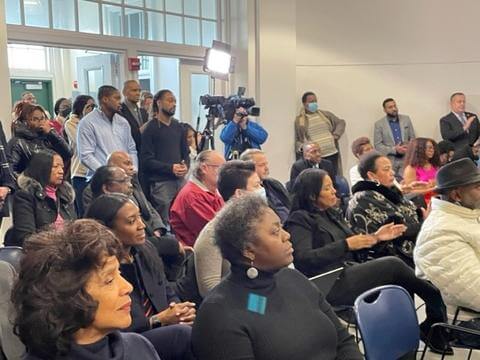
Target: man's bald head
x,y
122,160
132,90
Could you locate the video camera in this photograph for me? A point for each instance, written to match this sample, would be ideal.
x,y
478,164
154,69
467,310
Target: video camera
x,y
223,109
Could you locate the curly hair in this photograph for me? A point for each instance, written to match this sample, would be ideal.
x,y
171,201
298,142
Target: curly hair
x,y
416,156
236,226
50,297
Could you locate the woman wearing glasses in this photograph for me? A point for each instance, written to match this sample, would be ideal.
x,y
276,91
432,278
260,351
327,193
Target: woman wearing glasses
x,y
33,133
82,105
323,241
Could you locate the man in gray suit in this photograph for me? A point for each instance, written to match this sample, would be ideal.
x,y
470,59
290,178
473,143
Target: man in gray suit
x,y
392,134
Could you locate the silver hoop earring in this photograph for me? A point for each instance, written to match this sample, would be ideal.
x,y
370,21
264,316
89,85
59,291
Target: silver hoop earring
x,y
252,272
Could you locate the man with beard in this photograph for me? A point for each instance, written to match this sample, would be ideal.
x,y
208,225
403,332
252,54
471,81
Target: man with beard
x,y
392,134
165,158
447,252
104,131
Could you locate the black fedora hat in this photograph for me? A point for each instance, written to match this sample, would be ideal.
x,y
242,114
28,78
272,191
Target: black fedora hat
x,y
458,173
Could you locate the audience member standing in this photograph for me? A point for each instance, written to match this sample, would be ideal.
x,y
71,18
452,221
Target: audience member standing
x,y
62,109
392,134
460,127
32,134
199,200
146,101
83,105
131,111
43,199
165,156
321,126
104,131
312,158
277,196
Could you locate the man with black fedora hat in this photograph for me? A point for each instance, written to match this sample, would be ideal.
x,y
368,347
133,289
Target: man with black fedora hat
x,y
448,246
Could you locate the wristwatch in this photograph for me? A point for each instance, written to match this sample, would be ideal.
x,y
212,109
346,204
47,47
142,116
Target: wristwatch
x,y
155,322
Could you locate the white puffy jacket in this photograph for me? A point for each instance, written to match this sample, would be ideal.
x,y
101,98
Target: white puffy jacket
x,y
448,253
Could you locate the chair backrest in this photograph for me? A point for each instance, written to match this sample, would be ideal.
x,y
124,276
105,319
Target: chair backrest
x,y
342,186
12,255
325,281
388,322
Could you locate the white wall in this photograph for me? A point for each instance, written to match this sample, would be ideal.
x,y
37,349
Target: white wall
x,y
354,54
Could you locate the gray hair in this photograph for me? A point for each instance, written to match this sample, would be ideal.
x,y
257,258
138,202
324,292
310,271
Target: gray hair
x,y
248,154
201,158
236,226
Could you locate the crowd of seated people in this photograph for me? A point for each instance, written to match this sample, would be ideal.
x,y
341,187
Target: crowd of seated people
x,y
169,213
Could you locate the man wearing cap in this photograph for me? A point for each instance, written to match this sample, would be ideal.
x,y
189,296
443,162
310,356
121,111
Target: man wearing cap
x,y
447,252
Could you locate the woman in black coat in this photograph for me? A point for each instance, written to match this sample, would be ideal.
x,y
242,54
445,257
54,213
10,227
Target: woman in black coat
x,y
43,198
33,133
323,241
156,311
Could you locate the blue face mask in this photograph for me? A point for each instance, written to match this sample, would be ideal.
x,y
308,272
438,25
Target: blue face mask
x,y
312,107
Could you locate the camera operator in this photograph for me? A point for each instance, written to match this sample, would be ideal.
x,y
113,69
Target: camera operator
x,y
241,133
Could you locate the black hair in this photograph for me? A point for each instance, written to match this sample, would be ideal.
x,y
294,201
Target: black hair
x,y
307,94
159,96
79,104
234,175
102,176
306,189
387,100
236,226
105,208
105,91
40,165
56,107
50,298
367,163
445,146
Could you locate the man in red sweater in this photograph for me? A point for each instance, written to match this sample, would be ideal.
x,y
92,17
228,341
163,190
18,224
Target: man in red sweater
x,y
199,200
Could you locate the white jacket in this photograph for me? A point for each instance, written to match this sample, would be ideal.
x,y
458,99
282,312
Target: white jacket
x,y
448,253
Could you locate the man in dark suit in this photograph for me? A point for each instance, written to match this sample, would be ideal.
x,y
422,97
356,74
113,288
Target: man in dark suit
x,y
460,127
277,196
312,158
131,111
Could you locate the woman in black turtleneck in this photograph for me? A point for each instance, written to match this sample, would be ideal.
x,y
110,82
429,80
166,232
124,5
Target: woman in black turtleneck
x,y
70,299
264,310
323,241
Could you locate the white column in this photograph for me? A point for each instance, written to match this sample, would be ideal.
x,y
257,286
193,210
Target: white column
x,y
276,81
6,98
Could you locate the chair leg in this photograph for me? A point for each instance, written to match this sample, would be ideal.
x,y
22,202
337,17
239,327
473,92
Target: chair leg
x,y
470,354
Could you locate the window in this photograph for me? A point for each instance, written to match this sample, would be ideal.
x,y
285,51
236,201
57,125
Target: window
x,y
63,12
191,22
112,20
88,17
28,57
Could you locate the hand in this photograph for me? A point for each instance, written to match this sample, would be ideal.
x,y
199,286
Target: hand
x,y
179,170
238,118
157,233
358,242
414,185
45,127
390,231
243,123
401,149
4,191
469,122
181,313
